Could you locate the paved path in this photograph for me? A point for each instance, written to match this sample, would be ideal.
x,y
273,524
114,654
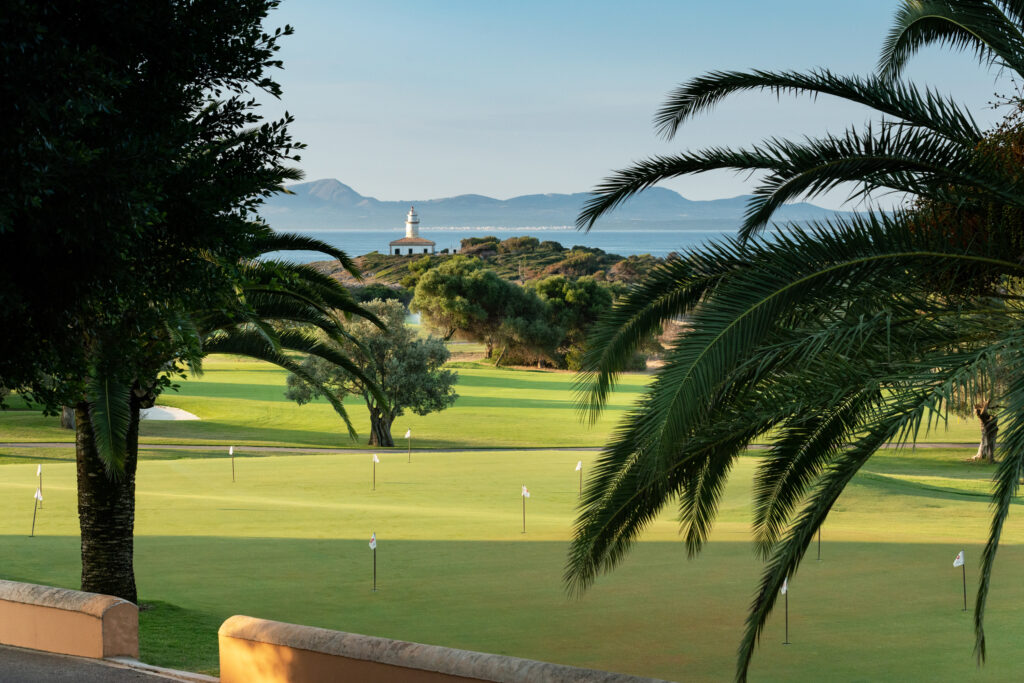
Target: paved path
x,y
31,666
298,450
363,451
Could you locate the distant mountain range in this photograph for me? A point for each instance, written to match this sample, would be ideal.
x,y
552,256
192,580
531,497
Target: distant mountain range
x,y
329,203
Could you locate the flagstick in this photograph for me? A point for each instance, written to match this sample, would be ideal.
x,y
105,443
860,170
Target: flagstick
x,y
374,570
581,482
787,619
524,511
410,449
964,568
40,485
375,488
35,505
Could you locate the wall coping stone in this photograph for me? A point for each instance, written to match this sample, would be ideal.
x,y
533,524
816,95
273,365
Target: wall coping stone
x,y
92,604
488,667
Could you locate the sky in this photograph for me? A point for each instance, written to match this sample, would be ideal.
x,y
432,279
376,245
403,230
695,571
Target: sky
x,y
422,99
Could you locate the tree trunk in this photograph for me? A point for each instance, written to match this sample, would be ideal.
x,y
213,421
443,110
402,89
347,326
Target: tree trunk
x,y
989,431
501,355
67,417
106,511
380,429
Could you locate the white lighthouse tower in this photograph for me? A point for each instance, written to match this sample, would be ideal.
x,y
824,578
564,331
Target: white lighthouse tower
x,y
412,223
412,243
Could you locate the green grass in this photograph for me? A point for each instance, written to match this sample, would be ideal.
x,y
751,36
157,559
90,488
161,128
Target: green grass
x,y
242,402
288,542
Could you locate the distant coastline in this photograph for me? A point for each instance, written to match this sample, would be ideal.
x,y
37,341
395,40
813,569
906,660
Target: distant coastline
x,y
331,205
626,242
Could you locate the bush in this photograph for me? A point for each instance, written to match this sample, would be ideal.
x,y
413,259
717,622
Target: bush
x,y
475,241
517,244
481,249
377,290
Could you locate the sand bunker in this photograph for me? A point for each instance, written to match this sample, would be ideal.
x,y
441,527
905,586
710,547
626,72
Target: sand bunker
x,y
166,413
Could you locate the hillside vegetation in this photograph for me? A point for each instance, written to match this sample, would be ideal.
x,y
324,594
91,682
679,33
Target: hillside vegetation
x,y
520,259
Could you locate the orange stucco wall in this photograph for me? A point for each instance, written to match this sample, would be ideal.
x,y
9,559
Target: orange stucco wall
x,y
252,662
261,651
67,622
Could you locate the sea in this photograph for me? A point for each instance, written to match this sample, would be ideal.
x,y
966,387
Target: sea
x,y
659,241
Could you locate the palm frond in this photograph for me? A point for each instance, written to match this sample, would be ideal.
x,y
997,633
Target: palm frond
x,y
888,157
988,29
903,101
269,241
109,416
248,342
790,550
673,288
1007,482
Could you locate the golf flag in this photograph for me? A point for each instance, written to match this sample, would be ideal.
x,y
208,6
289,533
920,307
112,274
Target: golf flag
x,y
579,465
785,586
373,541
526,492
375,458
39,470
959,561
231,450
39,495
408,433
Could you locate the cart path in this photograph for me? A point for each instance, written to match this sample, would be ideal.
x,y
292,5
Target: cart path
x,y
18,665
312,450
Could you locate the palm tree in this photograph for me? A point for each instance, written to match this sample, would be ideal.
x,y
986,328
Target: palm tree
x,y
833,339
269,311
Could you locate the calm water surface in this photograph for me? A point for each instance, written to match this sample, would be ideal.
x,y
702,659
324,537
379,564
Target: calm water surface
x,y
657,242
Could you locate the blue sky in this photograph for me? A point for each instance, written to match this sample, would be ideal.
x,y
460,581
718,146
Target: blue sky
x,y
424,99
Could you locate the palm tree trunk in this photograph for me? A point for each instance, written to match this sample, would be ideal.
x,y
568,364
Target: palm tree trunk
x,y
106,511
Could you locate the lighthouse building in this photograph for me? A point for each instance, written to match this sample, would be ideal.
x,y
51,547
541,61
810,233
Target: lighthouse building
x,y
412,243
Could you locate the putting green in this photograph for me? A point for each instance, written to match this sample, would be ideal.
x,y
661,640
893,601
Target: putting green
x,y
288,541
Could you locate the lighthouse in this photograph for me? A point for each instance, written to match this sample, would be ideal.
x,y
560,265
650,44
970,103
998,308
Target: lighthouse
x,y
412,242
412,223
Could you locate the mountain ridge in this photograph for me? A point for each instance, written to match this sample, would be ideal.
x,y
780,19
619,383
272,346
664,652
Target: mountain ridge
x,y
329,203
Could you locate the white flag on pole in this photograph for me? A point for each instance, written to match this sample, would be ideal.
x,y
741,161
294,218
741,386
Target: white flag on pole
x,y
373,541
959,561
526,492
579,465
38,496
231,450
39,470
375,458
785,585
408,433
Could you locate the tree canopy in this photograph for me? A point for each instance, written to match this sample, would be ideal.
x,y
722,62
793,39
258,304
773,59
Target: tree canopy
x,y
463,298
133,161
408,370
573,307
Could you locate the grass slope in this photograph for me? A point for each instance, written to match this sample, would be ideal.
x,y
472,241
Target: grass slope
x,y
288,541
